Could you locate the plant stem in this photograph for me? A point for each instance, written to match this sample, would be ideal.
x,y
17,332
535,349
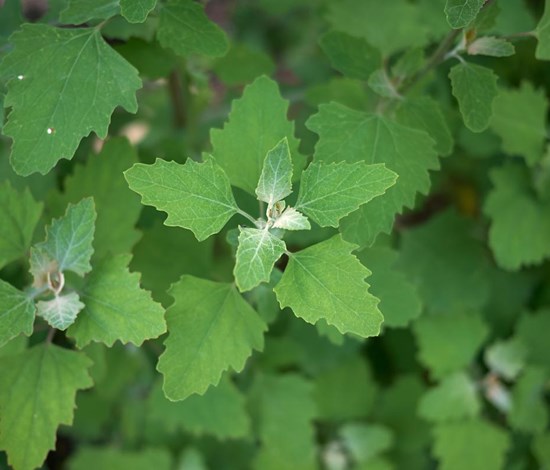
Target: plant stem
x,y
51,335
178,99
247,215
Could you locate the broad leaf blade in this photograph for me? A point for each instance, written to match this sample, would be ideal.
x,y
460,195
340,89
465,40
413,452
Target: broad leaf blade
x,y
61,311
329,192
185,28
116,308
211,329
325,281
112,458
543,34
80,11
19,214
475,88
136,11
37,394
276,178
461,13
257,122
196,196
291,219
71,81
16,313
257,253
69,240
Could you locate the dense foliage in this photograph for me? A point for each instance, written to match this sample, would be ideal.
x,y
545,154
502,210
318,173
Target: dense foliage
x,y
274,234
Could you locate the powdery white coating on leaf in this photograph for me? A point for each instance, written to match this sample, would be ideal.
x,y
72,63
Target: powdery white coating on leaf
x,y
291,219
61,311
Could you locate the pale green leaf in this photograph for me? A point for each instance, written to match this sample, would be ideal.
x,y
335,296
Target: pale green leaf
x,y
19,214
136,11
481,443
117,207
542,51
325,281
331,191
399,300
352,136
68,241
286,431
61,311
64,84
366,441
388,26
461,13
529,412
211,329
352,56
454,399
275,181
381,84
337,399
220,412
257,122
424,113
291,219
506,358
475,88
16,313
444,260
116,307
448,343
491,46
37,394
80,11
196,196
185,28
257,253
86,458
512,199
520,121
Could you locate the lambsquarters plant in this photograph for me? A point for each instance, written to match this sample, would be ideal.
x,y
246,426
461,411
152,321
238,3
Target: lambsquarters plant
x,y
320,240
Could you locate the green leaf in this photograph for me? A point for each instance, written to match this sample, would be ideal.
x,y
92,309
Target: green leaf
x,y
220,412
257,253
61,311
242,64
81,11
136,11
366,441
475,88
116,459
350,55
529,412
424,113
286,429
484,444
541,448
329,192
16,313
71,81
531,332
506,358
381,84
116,307
117,207
68,242
352,136
399,301
291,219
325,281
196,196
491,46
454,399
37,394
10,18
461,13
511,200
185,28
448,343
257,122
444,260
211,329
275,181
19,214
542,51
336,399
520,121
